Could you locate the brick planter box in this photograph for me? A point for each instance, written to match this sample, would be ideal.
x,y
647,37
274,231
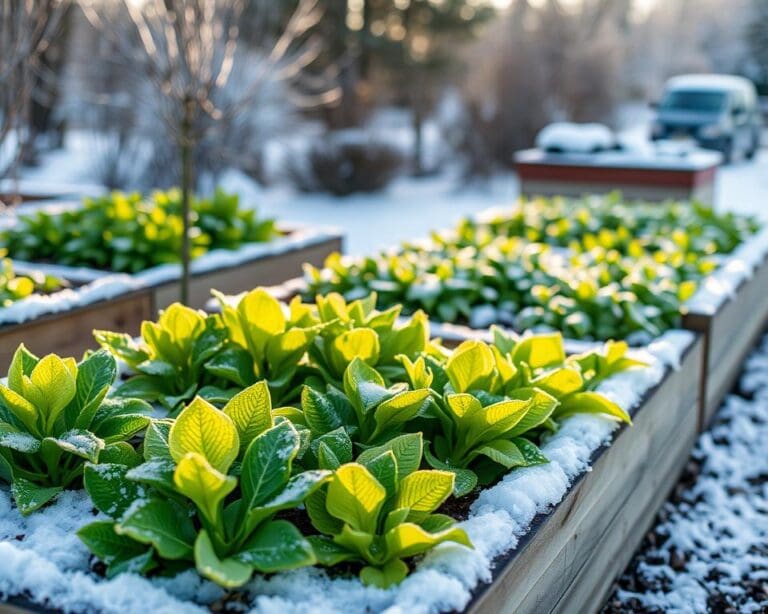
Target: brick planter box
x,y
636,177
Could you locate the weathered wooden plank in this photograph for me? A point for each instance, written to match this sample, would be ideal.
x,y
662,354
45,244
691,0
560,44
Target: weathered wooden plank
x,y
70,333
264,271
629,479
729,335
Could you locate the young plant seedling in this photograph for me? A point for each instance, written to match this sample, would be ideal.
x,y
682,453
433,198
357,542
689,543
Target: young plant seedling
x,y
494,398
54,416
206,495
169,361
264,342
380,510
366,413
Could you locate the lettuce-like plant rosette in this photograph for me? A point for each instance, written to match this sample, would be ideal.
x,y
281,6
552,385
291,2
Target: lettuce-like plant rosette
x,y
54,416
206,495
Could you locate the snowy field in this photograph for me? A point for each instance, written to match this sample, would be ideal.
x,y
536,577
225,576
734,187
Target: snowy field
x,y
709,552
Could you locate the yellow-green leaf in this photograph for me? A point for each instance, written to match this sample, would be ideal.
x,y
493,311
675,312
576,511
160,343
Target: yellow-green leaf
x,y
540,351
204,429
195,478
591,403
20,407
251,411
470,366
409,539
355,497
54,378
424,491
362,343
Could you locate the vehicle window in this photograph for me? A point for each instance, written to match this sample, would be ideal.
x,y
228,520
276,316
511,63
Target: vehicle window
x,y
694,100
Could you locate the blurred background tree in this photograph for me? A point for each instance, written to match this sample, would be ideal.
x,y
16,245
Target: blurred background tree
x,y
421,86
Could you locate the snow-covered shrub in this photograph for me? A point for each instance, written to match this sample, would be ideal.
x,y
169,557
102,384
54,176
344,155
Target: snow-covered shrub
x,y
345,163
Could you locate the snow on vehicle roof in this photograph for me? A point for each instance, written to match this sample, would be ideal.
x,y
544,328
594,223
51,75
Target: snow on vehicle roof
x,y
709,82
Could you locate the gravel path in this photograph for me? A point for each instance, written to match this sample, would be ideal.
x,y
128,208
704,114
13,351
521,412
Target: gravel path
x,y
709,549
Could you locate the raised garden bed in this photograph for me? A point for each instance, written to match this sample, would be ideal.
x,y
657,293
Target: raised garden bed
x,y
63,322
233,248
569,559
27,191
653,178
47,564
731,311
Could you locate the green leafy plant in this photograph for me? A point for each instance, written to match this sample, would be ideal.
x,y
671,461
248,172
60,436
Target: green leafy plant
x,y
380,510
356,329
207,494
264,342
131,233
169,361
494,400
626,273
54,416
615,223
14,287
367,412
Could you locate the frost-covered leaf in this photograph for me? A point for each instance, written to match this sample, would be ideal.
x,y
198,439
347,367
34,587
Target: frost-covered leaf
x,y
110,490
227,572
267,464
78,442
163,524
276,546
30,496
111,548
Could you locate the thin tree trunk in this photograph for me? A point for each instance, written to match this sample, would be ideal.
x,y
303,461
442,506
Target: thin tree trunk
x,y
418,138
186,196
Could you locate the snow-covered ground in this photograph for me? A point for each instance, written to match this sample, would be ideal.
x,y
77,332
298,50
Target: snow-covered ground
x,y
709,552
409,207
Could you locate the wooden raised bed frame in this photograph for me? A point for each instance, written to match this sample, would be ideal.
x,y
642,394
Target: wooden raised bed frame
x,y
70,332
729,336
571,556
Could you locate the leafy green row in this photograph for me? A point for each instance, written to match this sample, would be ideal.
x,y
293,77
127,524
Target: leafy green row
x,y
129,233
626,272
347,420
592,295
613,223
14,287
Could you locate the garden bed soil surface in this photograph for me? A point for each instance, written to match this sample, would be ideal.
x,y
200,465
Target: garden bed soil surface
x,y
708,551
45,562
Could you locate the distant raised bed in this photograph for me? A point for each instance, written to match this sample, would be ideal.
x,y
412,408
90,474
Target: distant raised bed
x,y
233,250
27,191
654,178
60,317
